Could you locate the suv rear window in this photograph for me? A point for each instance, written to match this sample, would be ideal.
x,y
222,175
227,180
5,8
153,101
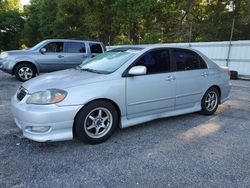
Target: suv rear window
x,y
76,47
95,48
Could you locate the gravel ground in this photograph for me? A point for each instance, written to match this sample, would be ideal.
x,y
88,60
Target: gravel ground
x,y
185,151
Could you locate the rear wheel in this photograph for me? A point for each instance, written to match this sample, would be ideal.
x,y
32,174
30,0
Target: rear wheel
x,y
210,101
96,122
24,72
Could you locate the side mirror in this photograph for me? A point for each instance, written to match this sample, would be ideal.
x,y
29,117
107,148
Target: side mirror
x,y
43,50
137,70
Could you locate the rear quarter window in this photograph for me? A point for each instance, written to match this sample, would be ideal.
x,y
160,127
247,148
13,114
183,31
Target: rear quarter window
x,y
188,60
95,48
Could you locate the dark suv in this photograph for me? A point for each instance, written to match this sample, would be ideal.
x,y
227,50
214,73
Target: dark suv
x,y
48,55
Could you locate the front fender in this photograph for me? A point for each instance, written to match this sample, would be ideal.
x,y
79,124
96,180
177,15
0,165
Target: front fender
x,y
26,59
113,90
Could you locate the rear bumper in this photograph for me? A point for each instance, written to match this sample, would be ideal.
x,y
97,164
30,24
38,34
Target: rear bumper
x,y
225,92
44,123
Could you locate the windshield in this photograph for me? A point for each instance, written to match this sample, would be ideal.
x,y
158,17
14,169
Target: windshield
x,y
109,61
40,44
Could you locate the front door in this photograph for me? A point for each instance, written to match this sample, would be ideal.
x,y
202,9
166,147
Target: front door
x,y
53,58
154,92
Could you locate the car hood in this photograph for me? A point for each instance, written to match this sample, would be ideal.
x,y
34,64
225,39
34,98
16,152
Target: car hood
x,y
62,80
19,52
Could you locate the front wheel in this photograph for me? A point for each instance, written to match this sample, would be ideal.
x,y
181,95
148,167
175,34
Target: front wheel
x,y
210,101
96,122
24,72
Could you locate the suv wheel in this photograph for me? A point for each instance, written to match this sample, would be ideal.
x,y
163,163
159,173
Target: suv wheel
x,y
24,72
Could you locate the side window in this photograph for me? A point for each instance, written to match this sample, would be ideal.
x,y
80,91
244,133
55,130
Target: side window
x,y
54,47
188,60
76,47
95,48
156,61
203,64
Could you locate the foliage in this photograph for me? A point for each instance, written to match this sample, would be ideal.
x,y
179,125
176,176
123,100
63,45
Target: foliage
x,y
11,24
9,4
127,21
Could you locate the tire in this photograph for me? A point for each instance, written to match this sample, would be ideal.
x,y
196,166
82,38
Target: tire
x,y
96,122
24,72
233,75
210,101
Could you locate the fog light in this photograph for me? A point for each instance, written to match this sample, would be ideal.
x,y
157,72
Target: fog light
x,y
38,129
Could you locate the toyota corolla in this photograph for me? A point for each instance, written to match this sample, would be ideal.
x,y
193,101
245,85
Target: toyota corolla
x,y
120,88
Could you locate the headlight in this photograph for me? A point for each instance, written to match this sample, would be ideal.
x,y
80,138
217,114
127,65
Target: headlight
x,y
50,96
4,55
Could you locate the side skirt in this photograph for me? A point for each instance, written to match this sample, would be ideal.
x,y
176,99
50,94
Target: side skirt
x,y
134,121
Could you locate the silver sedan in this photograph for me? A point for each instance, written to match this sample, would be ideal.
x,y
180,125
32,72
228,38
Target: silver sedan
x,y
120,88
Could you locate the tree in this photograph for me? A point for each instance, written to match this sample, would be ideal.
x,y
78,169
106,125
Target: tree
x,y
11,24
39,18
99,20
69,21
134,22
9,5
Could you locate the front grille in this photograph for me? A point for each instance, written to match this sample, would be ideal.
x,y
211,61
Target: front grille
x,y
21,93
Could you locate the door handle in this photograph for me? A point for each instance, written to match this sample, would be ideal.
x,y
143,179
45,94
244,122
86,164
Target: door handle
x,y
60,56
170,78
204,74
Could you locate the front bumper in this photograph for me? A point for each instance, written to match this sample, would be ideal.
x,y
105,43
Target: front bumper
x,y
56,122
4,66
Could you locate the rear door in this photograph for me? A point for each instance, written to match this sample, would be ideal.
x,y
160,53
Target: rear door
x,y
191,78
75,54
154,92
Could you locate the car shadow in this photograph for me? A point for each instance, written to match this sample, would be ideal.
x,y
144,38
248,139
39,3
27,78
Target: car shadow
x,y
150,133
183,129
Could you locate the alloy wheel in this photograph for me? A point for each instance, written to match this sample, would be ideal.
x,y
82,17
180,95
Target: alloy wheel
x,y
98,122
25,73
211,101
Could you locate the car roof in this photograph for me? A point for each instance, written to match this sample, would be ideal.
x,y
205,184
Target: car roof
x,y
72,40
146,47
122,49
